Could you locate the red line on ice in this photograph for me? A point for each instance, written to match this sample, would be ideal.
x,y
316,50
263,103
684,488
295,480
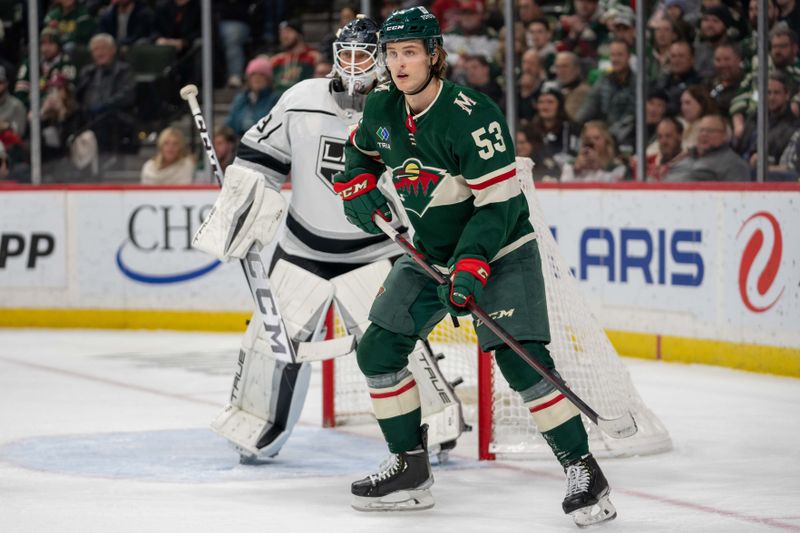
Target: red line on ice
x,y
671,501
106,381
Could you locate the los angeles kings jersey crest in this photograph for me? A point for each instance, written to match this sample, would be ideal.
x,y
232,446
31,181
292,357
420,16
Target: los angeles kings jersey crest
x,y
304,135
330,158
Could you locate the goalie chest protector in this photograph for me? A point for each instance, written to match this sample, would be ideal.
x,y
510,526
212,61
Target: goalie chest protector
x,y
304,135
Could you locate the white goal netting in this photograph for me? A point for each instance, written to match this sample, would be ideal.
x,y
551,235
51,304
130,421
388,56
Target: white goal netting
x,y
583,354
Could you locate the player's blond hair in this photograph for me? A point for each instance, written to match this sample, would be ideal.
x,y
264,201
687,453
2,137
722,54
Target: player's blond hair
x,y
440,66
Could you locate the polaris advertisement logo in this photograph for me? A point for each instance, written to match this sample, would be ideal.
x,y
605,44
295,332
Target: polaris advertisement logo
x,y
158,245
654,256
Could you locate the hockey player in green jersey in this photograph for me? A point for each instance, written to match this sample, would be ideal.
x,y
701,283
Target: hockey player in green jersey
x,y
452,162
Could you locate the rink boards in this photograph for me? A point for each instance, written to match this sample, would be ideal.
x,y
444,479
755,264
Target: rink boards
x,y
707,274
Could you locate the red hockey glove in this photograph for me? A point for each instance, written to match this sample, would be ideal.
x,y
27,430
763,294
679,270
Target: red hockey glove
x,y
362,199
468,280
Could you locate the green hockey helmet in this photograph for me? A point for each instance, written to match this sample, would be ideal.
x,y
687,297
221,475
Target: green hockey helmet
x,y
410,24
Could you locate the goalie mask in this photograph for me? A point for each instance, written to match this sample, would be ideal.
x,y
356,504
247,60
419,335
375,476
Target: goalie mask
x,y
355,55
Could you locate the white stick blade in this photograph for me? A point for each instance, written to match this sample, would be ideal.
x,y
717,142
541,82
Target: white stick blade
x,y
328,349
618,428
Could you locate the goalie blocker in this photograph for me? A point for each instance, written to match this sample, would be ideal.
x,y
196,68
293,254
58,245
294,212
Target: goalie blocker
x,y
246,211
268,393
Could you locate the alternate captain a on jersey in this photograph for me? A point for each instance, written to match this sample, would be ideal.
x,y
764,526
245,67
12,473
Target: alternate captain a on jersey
x,y
452,163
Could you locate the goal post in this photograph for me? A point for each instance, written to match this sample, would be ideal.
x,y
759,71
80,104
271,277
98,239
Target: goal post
x,y
583,354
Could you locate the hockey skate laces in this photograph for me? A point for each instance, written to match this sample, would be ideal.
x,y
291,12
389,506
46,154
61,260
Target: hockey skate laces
x,y
578,478
388,467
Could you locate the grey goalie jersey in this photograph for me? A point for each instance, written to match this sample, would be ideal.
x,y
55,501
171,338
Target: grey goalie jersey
x,y
304,135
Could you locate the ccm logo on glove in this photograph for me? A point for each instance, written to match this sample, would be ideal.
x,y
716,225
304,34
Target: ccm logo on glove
x,y
357,186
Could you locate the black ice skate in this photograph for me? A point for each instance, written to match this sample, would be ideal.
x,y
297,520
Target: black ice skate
x,y
402,484
587,493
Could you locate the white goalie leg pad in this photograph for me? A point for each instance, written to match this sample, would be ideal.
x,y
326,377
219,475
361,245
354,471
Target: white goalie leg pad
x,y
441,408
355,292
267,398
303,298
246,212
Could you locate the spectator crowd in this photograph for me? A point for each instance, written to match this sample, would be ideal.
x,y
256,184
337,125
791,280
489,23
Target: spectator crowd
x,y
576,87
109,72
576,78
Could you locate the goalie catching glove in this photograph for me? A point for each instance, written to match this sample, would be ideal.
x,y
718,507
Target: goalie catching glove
x,y
246,212
362,199
468,278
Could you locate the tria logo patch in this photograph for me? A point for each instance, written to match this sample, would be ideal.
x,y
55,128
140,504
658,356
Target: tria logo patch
x,y
416,184
383,136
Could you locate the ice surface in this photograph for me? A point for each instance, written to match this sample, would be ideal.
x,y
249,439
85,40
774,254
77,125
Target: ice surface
x,y
107,431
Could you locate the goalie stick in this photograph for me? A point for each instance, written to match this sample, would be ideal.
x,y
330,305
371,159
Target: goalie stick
x,y
618,428
256,275
255,271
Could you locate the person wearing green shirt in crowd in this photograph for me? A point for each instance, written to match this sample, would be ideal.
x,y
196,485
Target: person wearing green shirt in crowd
x,y
72,21
297,60
452,162
52,64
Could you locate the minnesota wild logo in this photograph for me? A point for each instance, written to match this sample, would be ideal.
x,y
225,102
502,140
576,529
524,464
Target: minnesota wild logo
x,y
416,184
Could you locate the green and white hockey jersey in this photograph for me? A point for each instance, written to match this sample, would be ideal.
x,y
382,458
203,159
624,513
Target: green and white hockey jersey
x,y
453,168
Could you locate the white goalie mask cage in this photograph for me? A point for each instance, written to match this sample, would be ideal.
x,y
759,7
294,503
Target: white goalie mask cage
x,y
355,55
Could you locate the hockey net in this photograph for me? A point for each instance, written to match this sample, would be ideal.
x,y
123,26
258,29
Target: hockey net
x,y
583,354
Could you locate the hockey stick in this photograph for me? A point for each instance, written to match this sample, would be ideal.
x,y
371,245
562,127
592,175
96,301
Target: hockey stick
x,y
618,428
254,269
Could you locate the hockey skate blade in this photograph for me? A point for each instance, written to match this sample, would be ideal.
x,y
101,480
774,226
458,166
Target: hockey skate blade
x,y
401,500
602,511
618,428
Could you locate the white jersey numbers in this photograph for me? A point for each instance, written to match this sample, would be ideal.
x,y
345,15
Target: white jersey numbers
x,y
486,146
